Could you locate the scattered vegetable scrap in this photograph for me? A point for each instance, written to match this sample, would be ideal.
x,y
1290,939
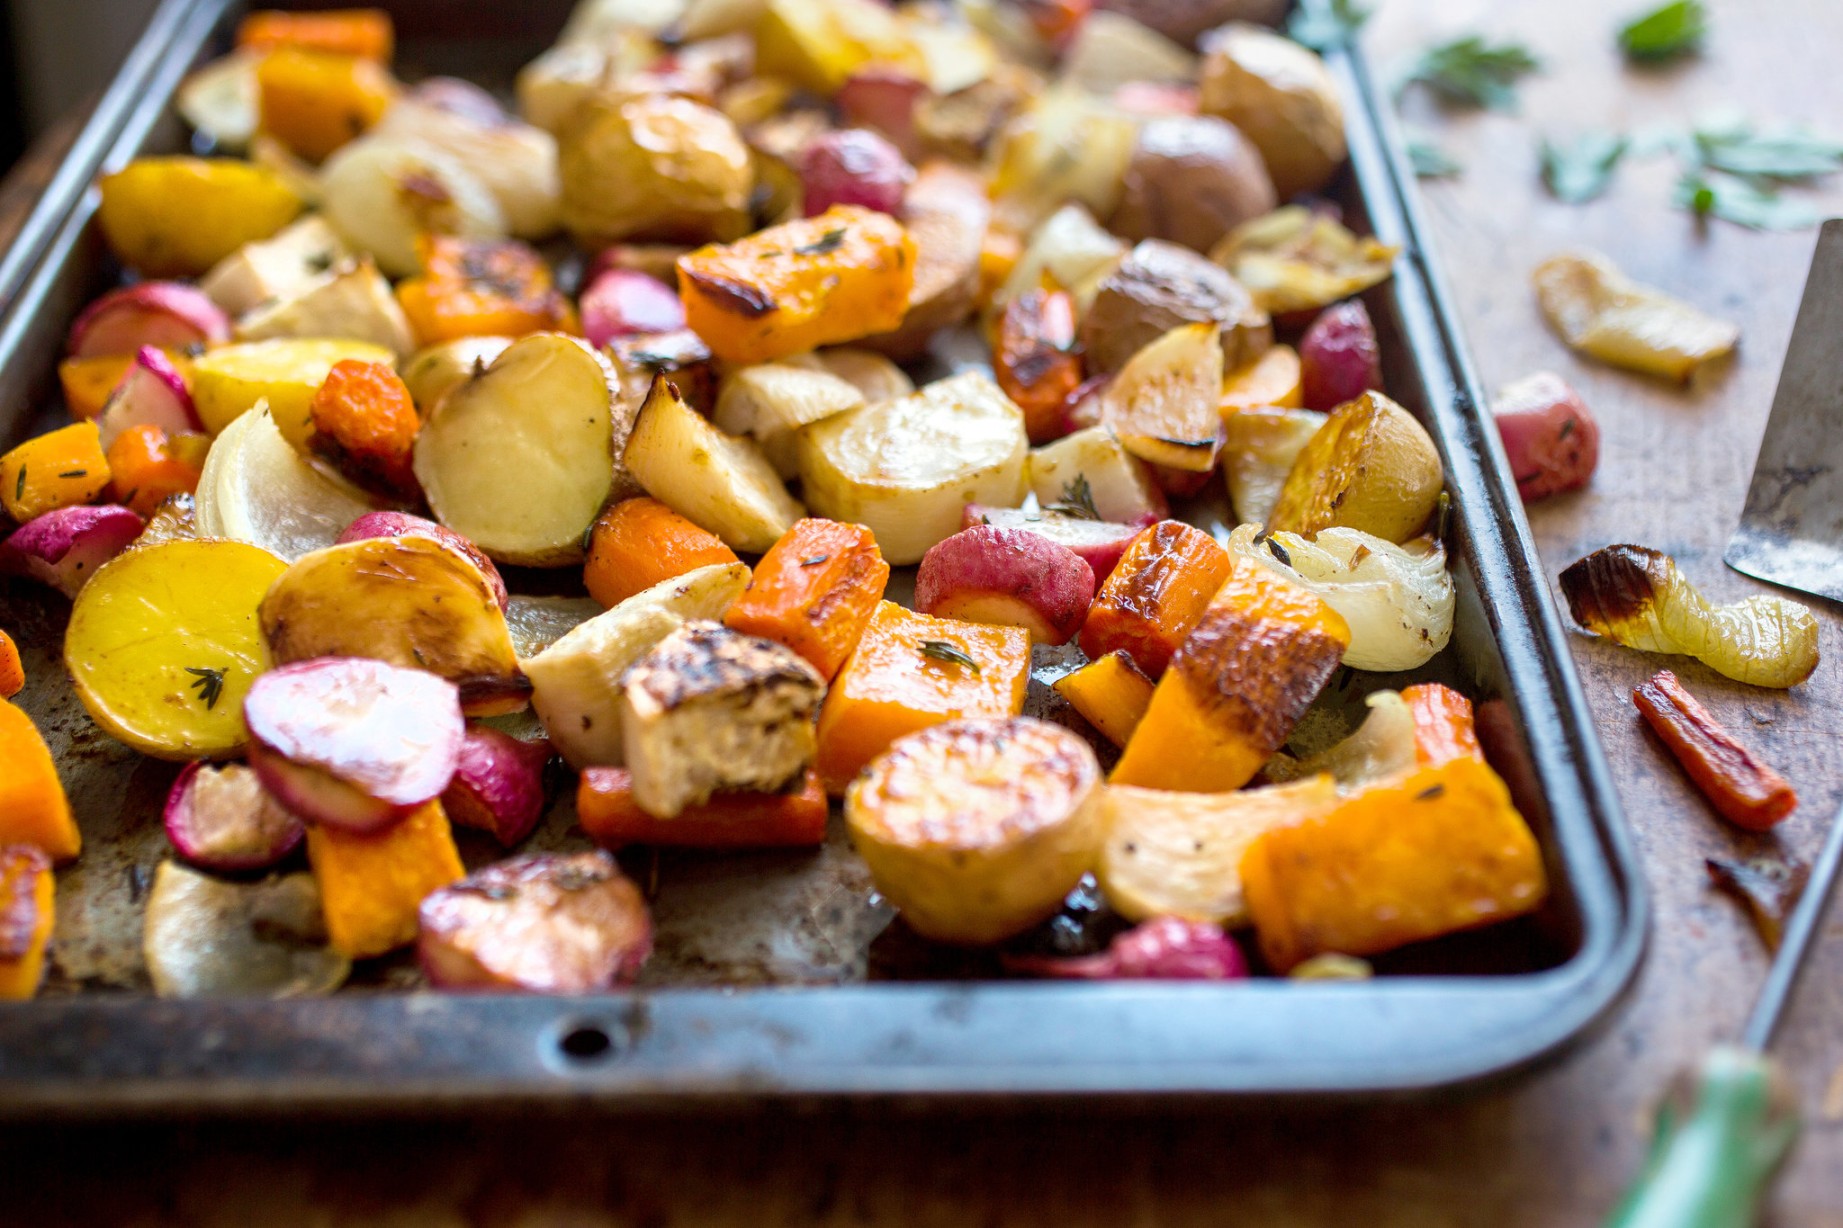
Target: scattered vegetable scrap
x,y
1767,887
1743,790
1601,312
1550,438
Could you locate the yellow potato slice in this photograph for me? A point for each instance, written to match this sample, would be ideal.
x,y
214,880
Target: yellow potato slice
x,y
229,380
1371,466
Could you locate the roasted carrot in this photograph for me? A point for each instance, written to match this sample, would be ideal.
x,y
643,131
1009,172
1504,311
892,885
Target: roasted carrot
x,y
814,591
27,913
365,33
365,423
1443,726
482,288
33,808
145,466
1271,379
1155,595
372,884
610,816
1036,360
1743,790
641,542
1111,693
315,101
62,468
12,670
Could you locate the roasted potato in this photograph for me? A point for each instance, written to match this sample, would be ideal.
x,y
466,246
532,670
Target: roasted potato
x,y
169,217
1280,96
516,162
433,370
654,167
231,379
1163,404
1192,179
1371,466
946,212
1160,286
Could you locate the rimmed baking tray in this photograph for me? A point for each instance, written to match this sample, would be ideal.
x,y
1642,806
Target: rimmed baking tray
x,y
776,975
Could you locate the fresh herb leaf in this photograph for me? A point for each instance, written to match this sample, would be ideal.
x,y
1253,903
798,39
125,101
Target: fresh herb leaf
x,y
830,241
941,650
19,487
209,685
1430,793
1077,499
1325,25
1471,72
1430,161
1786,154
75,473
1743,203
815,561
1578,172
1665,32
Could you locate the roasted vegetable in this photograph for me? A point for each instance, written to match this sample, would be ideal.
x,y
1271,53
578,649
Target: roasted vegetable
x,y
365,425
1179,854
772,401
1163,949
1743,790
814,591
1550,439
1767,887
1036,360
1601,312
1422,726
176,217
947,214
365,33
515,162
542,923
221,818
434,371
275,268
153,393
909,672
1098,543
1109,50
352,301
163,644
27,915
818,281
638,543
1192,179
653,167
1110,692
1155,595
205,937
33,807
1255,660
64,548
1163,405
1430,853
820,43
1271,381
483,287
257,489
1370,466
627,303
498,784
1186,21
315,101
794,818
1259,448
372,884
402,524
384,193
230,380
1279,94
977,829
12,672
905,468
1072,248
61,468
1009,578
1295,259
166,314
1091,470
1156,288
1398,600
1339,357
1636,597
853,166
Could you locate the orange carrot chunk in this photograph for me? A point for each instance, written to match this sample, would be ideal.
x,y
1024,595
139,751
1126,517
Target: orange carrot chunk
x,y
610,816
366,424
1111,694
1743,790
27,913
12,670
146,465
814,591
641,542
33,808
365,33
1036,360
1155,595
1443,726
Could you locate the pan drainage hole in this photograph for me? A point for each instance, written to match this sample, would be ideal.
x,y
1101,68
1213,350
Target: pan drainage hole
x,y
585,1043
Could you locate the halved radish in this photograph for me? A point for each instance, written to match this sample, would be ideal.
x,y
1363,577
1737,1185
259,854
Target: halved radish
x,y
1100,543
402,524
153,393
498,784
165,314
1009,578
353,743
222,818
625,303
64,547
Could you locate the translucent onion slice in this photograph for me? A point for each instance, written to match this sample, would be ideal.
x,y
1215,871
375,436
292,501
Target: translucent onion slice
x,y
256,488
207,937
1259,447
1381,747
1294,259
1598,310
1398,600
1635,596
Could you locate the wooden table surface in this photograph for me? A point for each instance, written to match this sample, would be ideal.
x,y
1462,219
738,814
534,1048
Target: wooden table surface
x,y
1550,1148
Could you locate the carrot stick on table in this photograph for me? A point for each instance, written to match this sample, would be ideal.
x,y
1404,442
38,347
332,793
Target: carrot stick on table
x,y
1742,789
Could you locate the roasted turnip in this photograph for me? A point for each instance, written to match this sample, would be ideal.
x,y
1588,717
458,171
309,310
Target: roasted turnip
x,y
353,743
542,923
1551,439
222,818
165,314
498,784
63,548
1092,468
1007,577
1100,543
1339,357
402,524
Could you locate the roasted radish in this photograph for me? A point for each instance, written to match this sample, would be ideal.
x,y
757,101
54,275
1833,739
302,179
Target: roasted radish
x,y
402,524
623,303
1339,357
1162,949
153,393
498,784
1550,439
163,314
221,818
853,166
1009,577
1100,543
64,548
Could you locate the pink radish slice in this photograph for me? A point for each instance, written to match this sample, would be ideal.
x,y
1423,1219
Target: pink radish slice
x,y
625,303
1100,543
854,166
1006,577
351,742
402,524
167,314
153,393
1165,948
885,99
498,784
221,818
64,547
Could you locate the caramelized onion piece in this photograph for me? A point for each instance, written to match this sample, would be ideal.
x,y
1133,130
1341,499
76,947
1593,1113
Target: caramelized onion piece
x,y
1767,887
1600,311
1635,596
1295,259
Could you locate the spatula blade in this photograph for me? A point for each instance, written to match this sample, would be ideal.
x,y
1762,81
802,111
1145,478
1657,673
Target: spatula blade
x,y
1791,532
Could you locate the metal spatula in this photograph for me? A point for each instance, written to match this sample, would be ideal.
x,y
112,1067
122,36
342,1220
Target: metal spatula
x,y
1792,530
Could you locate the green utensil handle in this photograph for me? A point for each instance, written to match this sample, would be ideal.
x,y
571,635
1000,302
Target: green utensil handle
x,y
1721,1135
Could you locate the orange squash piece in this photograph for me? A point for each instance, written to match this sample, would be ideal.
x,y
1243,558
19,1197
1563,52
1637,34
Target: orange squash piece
x,y
482,288
641,542
364,33
315,101
1271,379
365,424
1436,851
27,914
1111,693
1036,360
814,591
62,468
610,816
33,808
1155,595
12,669
1443,725
146,466
371,885
87,382
902,678
1262,651
790,288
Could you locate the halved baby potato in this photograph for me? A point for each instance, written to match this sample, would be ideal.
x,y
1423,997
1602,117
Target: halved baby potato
x,y
519,458
1371,466
1164,403
433,370
229,380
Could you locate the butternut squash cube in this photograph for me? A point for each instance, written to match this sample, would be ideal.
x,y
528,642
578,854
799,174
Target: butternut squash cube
x,y
27,913
372,884
1111,693
62,468
33,806
1155,595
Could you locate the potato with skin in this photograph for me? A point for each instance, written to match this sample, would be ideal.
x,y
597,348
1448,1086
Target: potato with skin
x,y
1193,178
176,217
1163,404
1282,98
431,372
946,212
1371,466
1160,286
977,829
653,167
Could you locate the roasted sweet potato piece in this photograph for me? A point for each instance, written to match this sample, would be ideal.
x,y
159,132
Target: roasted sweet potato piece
x,y
315,101
1111,693
27,914
365,33
366,424
613,819
33,808
1036,358
12,672
371,885
1440,850
1155,595
814,591
482,288
817,281
641,542
60,468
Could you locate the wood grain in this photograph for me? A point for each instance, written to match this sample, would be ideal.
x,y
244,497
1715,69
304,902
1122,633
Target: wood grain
x,y
1552,1148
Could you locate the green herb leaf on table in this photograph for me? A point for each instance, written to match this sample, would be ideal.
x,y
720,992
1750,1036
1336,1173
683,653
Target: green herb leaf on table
x,y
1581,170
1472,72
1430,161
1331,23
1666,32
1787,154
1743,203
